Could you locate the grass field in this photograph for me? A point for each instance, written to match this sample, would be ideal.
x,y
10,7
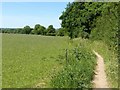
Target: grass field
x,y
30,60
0,60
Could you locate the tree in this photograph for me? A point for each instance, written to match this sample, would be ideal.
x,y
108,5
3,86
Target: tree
x,y
26,30
41,30
38,29
79,17
62,32
51,30
18,30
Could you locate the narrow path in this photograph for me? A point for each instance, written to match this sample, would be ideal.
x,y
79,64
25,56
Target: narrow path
x,y
100,80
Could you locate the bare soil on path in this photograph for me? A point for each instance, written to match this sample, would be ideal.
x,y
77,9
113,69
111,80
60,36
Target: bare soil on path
x,y
100,80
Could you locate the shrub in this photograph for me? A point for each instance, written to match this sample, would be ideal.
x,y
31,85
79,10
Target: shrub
x,y
78,72
51,34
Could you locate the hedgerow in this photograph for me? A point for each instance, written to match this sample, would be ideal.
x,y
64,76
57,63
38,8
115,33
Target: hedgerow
x,y
78,71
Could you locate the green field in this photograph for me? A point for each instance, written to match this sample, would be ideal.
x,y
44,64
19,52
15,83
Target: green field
x,y
0,60
30,60
33,60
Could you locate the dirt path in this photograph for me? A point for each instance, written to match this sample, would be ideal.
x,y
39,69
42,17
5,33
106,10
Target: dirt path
x,y
100,80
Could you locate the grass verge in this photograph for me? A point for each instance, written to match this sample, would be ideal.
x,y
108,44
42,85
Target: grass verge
x,y
111,62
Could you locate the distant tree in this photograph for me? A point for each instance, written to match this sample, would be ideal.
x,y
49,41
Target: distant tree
x,y
26,30
36,31
45,31
37,26
18,30
51,30
32,32
41,30
62,32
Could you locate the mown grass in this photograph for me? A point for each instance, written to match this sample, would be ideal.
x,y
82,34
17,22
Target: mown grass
x,y
30,60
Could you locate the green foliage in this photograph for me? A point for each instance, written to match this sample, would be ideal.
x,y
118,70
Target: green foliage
x,y
110,60
106,31
78,71
62,32
37,26
19,30
12,30
26,30
107,26
80,16
38,29
51,30
51,34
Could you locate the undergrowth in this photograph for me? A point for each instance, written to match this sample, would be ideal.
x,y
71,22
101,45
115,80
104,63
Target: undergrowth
x,y
78,71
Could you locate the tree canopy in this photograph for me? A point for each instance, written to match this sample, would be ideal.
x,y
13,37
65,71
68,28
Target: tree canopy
x,y
26,30
94,20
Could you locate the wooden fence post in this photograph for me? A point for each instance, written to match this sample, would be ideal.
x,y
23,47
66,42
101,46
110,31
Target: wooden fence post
x,y
66,57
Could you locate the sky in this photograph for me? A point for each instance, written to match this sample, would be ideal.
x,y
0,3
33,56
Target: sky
x,y
20,14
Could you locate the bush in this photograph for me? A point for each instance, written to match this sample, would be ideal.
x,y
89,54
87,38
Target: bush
x,y
78,72
51,34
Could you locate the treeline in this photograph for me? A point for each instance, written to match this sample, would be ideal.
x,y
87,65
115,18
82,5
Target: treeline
x,y
37,30
92,20
89,20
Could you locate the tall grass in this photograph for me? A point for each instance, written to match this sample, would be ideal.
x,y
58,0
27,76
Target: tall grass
x,y
0,60
78,72
109,56
111,62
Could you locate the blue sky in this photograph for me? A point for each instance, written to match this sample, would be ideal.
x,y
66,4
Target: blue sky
x,y
19,14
